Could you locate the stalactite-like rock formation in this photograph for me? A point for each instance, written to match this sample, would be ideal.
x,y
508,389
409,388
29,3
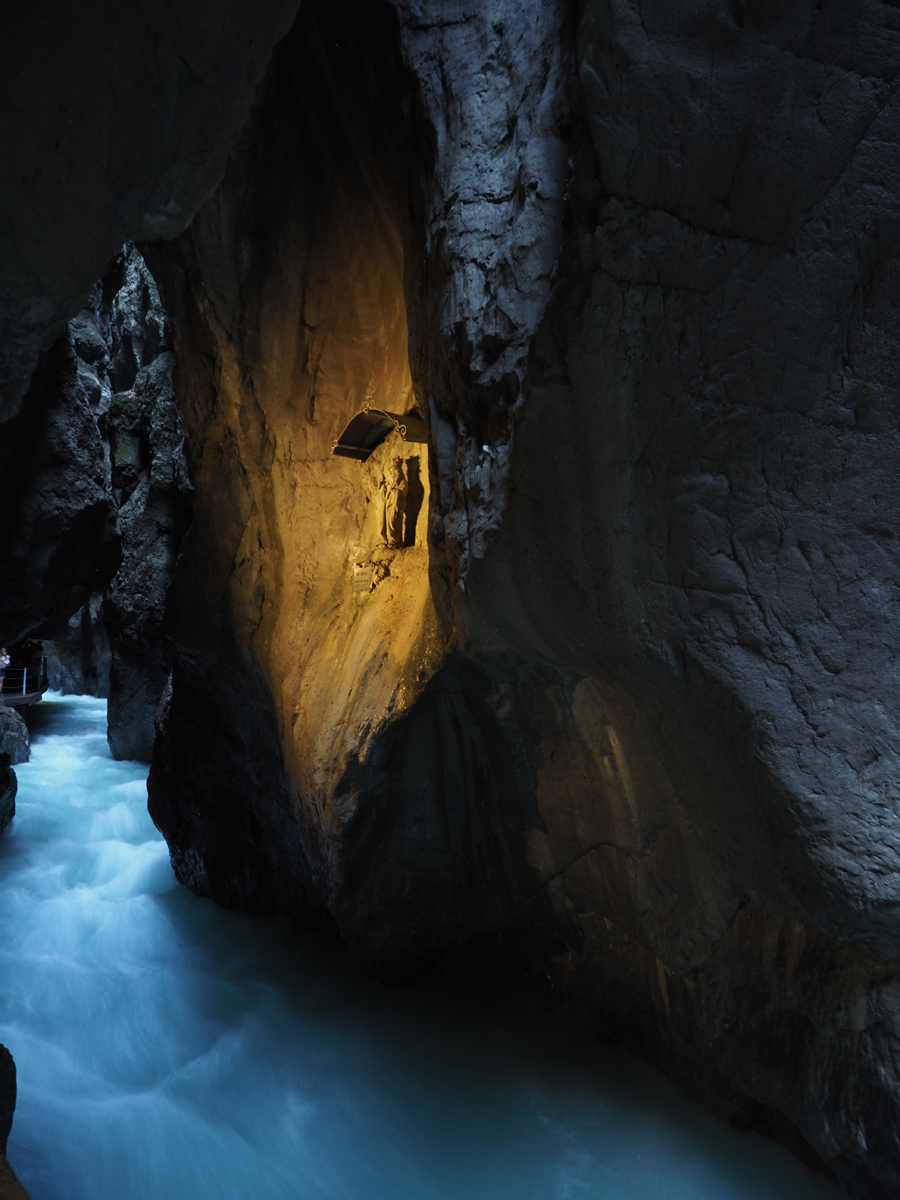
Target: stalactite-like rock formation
x,y
593,690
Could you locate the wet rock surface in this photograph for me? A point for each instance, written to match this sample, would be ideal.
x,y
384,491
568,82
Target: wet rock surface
x,y
100,500
10,1188
622,766
14,739
7,1095
58,543
151,491
9,785
78,653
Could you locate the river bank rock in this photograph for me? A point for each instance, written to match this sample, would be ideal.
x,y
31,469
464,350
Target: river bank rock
x,y
14,738
151,490
7,1095
78,653
10,1188
97,561
58,544
8,788
595,727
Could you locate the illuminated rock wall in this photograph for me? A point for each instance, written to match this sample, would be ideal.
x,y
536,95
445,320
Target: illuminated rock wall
x,y
290,292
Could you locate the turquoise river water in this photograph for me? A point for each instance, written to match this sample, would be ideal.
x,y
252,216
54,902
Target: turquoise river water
x,y
168,1050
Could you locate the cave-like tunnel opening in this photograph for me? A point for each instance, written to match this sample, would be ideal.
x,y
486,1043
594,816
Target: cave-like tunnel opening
x,y
447,493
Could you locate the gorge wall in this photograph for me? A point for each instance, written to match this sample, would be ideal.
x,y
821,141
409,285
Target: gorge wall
x,y
99,498
610,715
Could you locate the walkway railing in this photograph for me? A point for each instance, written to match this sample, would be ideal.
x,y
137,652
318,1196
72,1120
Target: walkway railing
x,y
23,681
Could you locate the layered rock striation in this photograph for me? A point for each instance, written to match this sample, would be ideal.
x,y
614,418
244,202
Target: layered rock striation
x,y
99,500
15,741
9,785
151,492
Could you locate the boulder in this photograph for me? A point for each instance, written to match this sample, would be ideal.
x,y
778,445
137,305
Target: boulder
x,y
14,738
8,787
10,1187
119,373
7,1095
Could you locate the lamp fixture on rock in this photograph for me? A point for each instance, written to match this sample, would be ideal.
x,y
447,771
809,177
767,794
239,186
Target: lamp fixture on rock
x,y
371,426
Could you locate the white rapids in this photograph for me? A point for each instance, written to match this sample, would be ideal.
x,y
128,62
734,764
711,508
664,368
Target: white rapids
x,y
168,1050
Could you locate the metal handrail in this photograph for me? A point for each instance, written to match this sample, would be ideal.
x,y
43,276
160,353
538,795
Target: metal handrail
x,y
23,681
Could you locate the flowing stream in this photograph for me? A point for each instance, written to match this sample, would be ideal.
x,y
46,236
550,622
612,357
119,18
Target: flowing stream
x,y
168,1050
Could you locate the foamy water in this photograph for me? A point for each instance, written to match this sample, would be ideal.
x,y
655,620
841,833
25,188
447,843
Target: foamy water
x,y
168,1050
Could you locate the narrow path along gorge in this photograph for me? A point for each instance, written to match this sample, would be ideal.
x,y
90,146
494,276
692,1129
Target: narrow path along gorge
x,y
168,1048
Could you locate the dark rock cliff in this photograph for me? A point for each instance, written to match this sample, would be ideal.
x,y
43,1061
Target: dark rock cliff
x,y
57,540
151,493
14,739
99,499
10,1188
9,785
7,1095
613,717
77,655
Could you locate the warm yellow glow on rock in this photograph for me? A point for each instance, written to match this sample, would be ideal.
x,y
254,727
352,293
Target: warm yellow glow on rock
x,y
367,636
325,560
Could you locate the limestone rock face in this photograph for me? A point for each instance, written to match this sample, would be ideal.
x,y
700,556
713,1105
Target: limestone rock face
x,y
14,739
287,582
78,653
58,544
8,787
493,83
62,491
12,1189
151,492
289,296
620,722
